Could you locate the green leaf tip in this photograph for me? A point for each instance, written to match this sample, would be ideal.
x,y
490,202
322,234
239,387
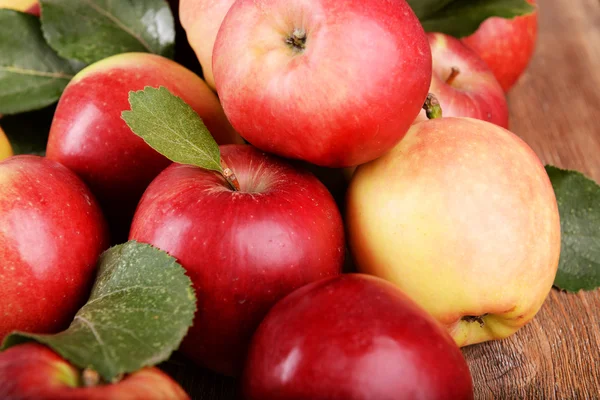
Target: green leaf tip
x,y
171,127
578,199
140,308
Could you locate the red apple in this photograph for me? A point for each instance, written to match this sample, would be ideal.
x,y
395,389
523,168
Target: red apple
x,y
332,83
29,6
353,337
463,83
243,250
32,371
506,45
89,136
201,20
51,234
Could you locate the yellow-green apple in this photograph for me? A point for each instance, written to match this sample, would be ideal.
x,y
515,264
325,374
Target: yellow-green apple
x,y
29,6
353,337
32,371
5,147
51,234
333,83
463,84
506,45
461,216
184,54
88,135
201,20
243,250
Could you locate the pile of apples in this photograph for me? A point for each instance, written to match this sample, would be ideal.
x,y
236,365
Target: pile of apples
x,y
451,223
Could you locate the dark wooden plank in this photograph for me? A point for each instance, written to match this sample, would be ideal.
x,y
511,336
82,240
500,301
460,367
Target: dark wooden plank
x,y
556,109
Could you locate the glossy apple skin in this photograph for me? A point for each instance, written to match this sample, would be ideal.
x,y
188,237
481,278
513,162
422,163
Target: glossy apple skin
x,y
89,136
353,337
51,234
5,147
345,99
29,6
474,93
201,20
242,250
506,45
32,371
462,217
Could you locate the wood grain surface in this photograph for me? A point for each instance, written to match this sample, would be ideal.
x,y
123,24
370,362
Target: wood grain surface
x,y
555,108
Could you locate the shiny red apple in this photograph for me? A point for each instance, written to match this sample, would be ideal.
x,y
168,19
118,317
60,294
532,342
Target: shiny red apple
x,y
32,371
51,234
334,83
89,136
353,337
463,83
506,45
243,250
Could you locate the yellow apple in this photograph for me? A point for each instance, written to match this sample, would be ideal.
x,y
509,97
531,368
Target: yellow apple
x,y
461,215
5,148
30,6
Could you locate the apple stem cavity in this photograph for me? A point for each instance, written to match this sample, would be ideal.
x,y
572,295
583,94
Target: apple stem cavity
x,y
473,318
432,107
297,40
230,177
453,74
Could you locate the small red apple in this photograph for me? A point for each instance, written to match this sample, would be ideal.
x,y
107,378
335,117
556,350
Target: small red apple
x,y
88,135
32,371
506,45
463,83
353,337
243,250
51,234
334,83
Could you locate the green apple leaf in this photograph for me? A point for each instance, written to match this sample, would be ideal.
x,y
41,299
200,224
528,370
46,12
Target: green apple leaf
x,y
460,18
32,75
171,127
425,8
141,306
579,206
90,30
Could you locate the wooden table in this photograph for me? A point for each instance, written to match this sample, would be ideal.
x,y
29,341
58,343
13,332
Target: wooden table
x,y
556,109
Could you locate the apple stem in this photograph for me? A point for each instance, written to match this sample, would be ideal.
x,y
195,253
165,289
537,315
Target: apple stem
x,y
90,378
432,107
453,74
230,176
